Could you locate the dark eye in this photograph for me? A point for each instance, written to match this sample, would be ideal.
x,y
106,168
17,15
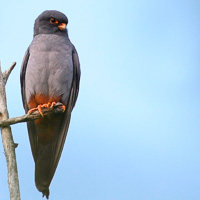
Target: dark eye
x,y
53,20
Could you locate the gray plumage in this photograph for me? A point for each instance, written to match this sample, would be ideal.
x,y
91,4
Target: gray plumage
x,y
50,71
50,56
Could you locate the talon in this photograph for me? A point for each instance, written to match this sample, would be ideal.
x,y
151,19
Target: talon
x,y
63,107
40,109
45,105
52,104
32,110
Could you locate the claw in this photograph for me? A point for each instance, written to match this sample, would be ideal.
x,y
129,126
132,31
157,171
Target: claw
x,y
46,105
32,110
40,110
52,104
63,107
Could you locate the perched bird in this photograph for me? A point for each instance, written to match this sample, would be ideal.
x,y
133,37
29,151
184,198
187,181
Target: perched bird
x,y
50,73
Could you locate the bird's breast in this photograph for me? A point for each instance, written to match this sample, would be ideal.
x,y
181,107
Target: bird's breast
x,y
49,71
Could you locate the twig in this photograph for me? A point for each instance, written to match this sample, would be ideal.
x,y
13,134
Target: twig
x,y
35,115
7,72
8,143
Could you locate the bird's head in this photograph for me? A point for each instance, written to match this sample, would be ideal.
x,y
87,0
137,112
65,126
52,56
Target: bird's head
x,y
51,22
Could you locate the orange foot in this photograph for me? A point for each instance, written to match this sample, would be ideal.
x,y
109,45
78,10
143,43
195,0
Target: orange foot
x,y
46,105
52,104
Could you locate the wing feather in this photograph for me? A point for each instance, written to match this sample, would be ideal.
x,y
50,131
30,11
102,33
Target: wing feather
x,y
71,103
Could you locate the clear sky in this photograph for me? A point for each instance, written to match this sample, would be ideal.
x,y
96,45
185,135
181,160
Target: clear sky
x,y
135,130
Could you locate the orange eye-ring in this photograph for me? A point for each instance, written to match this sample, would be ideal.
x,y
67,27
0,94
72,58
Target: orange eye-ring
x,y
53,20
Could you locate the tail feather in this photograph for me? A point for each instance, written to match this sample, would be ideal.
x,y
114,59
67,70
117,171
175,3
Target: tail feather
x,y
46,193
47,137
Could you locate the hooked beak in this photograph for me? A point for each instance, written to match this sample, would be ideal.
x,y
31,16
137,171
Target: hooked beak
x,y
62,26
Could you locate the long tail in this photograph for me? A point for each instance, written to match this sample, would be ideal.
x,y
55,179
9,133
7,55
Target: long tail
x,y
47,137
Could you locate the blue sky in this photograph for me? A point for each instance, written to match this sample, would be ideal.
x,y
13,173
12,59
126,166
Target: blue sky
x,y
134,133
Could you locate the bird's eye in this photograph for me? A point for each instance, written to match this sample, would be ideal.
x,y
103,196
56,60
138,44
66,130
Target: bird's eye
x,y
53,20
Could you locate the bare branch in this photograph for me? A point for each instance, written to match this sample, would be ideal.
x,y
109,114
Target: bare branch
x,y
8,143
6,74
35,115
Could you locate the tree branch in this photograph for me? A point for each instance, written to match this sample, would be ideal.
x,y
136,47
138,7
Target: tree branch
x,y
33,116
8,143
6,74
